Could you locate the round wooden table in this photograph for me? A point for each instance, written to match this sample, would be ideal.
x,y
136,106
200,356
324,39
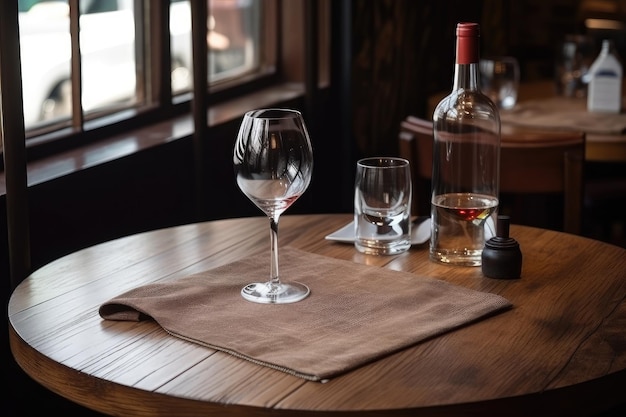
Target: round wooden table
x,y
560,350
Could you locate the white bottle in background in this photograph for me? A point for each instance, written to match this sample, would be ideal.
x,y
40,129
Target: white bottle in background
x,y
605,82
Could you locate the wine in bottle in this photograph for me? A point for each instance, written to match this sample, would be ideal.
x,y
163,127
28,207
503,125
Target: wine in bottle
x,y
466,161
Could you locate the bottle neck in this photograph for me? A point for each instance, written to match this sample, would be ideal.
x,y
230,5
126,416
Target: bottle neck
x,y
606,48
467,57
466,77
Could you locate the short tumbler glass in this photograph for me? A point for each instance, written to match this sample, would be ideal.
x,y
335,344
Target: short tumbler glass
x,y
382,206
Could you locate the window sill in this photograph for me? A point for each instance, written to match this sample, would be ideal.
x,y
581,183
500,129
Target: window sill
x,y
149,136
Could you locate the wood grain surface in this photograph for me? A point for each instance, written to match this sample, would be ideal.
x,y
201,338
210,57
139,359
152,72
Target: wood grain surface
x,y
560,350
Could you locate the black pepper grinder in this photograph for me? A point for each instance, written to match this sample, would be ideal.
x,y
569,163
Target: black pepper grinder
x,y
502,257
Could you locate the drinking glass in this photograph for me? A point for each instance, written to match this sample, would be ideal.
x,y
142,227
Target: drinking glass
x,y
499,80
382,206
273,161
575,54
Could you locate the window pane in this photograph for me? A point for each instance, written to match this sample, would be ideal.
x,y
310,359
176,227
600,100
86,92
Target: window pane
x,y
107,43
45,50
180,33
233,37
233,40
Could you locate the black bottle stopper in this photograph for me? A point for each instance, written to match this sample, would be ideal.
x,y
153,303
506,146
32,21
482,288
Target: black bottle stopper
x,y
502,257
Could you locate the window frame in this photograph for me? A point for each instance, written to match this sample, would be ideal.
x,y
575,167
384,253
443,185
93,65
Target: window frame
x,y
160,101
224,102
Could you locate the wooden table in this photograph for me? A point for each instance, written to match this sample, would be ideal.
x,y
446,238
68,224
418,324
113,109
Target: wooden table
x,y
560,350
599,147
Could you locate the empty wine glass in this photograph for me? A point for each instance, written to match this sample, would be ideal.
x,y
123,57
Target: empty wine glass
x,y
273,162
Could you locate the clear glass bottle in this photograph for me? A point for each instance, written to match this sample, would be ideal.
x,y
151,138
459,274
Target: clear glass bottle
x,y
466,162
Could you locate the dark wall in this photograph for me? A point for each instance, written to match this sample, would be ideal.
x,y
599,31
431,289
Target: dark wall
x,y
403,51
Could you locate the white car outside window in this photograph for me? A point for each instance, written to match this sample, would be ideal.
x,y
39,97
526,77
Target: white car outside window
x,y
107,45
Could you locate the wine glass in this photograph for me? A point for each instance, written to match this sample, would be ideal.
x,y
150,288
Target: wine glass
x,y
273,162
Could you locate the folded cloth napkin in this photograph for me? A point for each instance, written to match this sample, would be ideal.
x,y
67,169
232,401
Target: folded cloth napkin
x,y
354,314
564,113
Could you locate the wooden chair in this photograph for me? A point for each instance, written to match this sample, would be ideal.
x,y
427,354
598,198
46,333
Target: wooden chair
x,y
531,163
416,145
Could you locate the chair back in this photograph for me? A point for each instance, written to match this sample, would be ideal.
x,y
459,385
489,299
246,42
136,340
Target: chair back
x,y
531,163
416,145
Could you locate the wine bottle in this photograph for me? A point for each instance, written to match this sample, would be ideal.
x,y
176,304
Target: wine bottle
x,y
466,161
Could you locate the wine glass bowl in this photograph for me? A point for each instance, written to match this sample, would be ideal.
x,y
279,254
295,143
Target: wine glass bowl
x,y
273,161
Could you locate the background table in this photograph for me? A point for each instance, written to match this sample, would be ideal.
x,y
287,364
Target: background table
x,y
560,350
599,147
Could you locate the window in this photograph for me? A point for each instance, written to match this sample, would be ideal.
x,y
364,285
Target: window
x,y
267,54
116,57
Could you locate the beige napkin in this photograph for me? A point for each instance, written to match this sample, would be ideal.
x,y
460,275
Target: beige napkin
x,y
354,314
564,113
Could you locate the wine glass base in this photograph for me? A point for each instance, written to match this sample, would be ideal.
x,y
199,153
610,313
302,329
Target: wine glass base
x,y
283,293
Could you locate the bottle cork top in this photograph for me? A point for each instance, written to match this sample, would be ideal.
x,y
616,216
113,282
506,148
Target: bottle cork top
x,y
467,43
468,29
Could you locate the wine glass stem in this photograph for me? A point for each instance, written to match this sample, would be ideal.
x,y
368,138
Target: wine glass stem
x,y
274,279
